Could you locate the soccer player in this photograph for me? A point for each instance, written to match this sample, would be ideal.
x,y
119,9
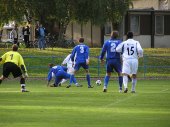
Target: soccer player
x,y
113,59
59,73
80,54
14,63
70,69
131,50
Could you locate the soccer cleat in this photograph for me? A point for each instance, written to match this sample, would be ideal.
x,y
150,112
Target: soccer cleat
x,y
59,84
90,86
104,90
52,85
79,85
24,90
68,86
126,90
133,92
120,91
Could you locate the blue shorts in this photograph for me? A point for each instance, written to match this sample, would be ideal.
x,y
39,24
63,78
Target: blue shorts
x,y
61,75
83,65
114,64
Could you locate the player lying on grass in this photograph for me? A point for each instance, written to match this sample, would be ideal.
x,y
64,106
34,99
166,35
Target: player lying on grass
x,y
59,73
70,69
13,63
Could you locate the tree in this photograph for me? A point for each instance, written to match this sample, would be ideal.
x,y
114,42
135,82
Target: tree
x,y
62,12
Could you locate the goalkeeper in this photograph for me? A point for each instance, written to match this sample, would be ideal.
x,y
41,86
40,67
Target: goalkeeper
x,y
13,63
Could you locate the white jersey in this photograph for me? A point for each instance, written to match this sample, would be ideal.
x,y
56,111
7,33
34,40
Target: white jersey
x,y
68,61
130,49
70,68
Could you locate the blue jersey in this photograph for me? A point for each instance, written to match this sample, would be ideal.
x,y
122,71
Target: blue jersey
x,y
80,53
55,70
109,48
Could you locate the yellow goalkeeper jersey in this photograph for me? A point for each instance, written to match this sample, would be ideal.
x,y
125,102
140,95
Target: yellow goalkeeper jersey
x,y
13,57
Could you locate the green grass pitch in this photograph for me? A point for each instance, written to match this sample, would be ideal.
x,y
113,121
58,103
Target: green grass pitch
x,y
83,107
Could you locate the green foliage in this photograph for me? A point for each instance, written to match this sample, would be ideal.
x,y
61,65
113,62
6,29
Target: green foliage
x,y
63,11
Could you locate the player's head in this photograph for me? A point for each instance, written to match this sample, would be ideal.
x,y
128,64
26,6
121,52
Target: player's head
x,y
15,47
81,40
50,65
114,34
129,35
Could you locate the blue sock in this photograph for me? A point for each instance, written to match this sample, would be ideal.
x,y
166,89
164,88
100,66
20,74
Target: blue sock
x,y
88,79
120,82
71,79
106,81
74,80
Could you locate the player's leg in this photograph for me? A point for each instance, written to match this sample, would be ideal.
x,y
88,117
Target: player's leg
x,y
126,71
86,68
72,78
106,81
23,85
71,72
109,70
16,72
134,81
134,67
118,68
6,71
88,78
125,82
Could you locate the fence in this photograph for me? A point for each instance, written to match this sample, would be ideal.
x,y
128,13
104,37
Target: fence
x,y
149,66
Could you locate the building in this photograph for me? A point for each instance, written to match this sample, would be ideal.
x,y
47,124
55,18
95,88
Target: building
x,y
148,19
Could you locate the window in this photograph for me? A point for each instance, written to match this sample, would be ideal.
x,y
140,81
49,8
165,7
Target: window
x,y
108,28
159,25
135,24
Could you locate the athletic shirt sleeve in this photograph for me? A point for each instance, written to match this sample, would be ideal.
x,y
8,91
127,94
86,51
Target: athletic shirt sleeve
x,y
66,60
103,50
139,50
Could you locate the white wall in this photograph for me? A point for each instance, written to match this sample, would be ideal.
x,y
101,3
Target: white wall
x,y
162,41
138,4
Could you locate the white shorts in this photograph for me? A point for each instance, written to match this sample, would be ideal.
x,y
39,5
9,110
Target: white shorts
x,y
130,66
70,70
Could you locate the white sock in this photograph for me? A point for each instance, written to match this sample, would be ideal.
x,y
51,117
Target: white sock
x,y
63,81
125,81
134,81
23,86
104,87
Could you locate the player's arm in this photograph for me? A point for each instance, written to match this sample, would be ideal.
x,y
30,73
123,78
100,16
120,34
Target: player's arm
x,y
87,55
22,64
103,52
3,58
49,77
65,61
139,50
23,67
73,54
119,48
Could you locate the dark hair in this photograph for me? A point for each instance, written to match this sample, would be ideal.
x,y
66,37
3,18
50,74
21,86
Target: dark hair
x,y
50,65
129,35
15,47
114,34
81,39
